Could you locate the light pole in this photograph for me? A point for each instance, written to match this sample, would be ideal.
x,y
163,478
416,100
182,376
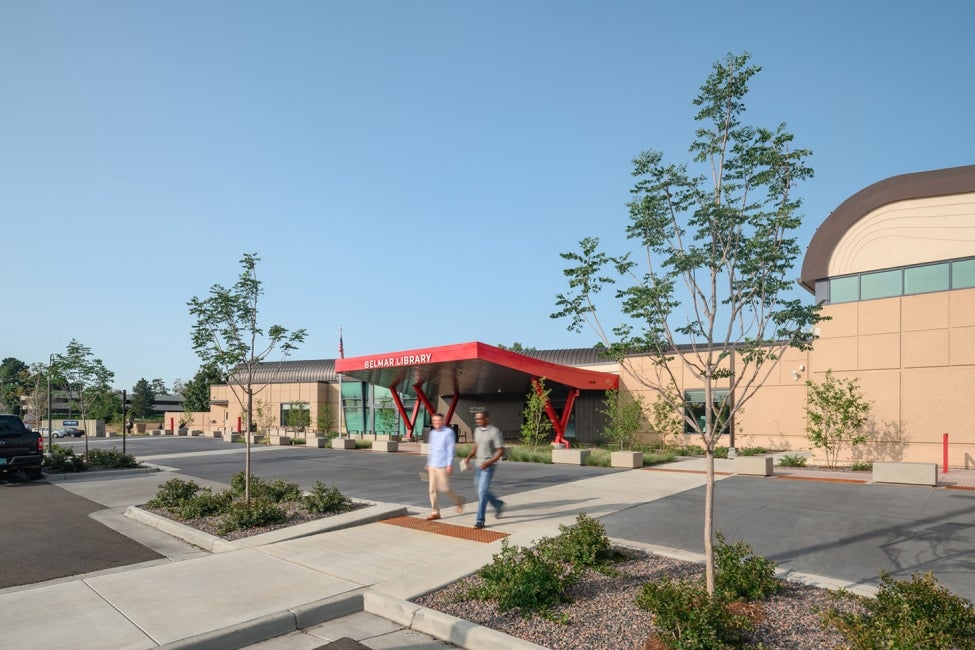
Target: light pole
x,y
50,371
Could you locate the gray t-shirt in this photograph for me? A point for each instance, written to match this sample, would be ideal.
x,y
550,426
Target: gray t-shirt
x,y
488,440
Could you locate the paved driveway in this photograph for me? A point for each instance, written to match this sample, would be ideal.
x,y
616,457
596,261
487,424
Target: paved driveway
x,y
850,532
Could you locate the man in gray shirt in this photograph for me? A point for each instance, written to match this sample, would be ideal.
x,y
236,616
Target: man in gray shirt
x,y
488,449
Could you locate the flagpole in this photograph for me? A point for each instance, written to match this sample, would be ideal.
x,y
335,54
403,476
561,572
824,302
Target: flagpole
x,y
341,401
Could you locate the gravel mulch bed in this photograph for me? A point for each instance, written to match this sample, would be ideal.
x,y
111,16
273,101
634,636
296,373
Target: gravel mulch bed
x,y
604,616
297,514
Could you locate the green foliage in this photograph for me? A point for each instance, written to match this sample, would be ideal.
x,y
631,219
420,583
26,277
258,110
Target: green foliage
x,y
536,426
752,451
14,374
325,418
325,499
792,460
196,392
522,578
689,618
258,512
63,459
908,614
110,458
624,418
583,544
277,491
143,399
862,467
688,450
666,420
172,494
836,411
523,454
740,574
205,504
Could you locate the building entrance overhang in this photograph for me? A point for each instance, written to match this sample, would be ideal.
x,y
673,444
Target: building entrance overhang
x,y
470,370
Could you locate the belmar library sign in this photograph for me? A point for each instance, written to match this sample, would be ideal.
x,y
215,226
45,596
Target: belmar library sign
x,y
393,362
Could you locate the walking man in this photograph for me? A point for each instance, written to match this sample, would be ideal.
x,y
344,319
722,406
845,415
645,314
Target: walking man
x,y
440,464
488,449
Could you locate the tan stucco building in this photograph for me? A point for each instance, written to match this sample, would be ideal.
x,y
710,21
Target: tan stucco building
x,y
893,265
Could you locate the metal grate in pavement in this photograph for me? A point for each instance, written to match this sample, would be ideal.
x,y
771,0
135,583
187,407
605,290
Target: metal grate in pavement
x,y
450,530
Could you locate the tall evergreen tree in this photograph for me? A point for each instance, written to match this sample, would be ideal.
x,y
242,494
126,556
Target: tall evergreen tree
x,y
143,399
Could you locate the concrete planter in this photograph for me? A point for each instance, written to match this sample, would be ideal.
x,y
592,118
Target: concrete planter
x,y
753,465
195,432
155,432
626,459
343,443
569,456
907,473
182,432
425,448
321,443
234,437
385,445
280,441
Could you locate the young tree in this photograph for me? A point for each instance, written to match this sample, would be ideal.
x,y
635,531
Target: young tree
x,y
297,416
711,291
196,392
837,411
143,399
536,426
34,381
85,379
624,417
325,419
665,421
228,335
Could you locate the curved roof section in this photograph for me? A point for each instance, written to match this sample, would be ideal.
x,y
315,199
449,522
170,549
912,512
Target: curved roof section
x,y
920,185
468,369
293,372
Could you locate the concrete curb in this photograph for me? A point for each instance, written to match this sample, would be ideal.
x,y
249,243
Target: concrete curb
x,y
99,474
273,625
441,626
376,511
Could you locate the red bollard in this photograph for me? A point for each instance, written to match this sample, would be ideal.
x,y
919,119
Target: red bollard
x,y
238,424
944,444
172,426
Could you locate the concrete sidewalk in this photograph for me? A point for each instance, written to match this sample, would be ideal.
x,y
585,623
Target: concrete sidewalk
x,y
241,597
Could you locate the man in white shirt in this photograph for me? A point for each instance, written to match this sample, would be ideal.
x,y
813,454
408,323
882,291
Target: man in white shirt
x,y
440,464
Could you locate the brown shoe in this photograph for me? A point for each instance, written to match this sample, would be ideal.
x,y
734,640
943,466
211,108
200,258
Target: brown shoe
x,y
460,506
433,517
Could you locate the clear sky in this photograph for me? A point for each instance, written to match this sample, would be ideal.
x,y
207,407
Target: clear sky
x,y
409,171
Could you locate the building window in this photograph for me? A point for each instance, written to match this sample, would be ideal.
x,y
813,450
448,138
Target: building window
x,y
963,274
844,289
694,403
926,279
880,285
295,415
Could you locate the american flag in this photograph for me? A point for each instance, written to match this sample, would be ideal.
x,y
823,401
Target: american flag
x,y
341,347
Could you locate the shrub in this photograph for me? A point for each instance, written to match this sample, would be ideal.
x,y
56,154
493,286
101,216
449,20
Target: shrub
x,y
522,578
259,512
792,460
584,544
276,491
172,494
689,619
204,504
110,458
62,459
752,451
326,499
522,454
740,574
720,452
689,450
908,614
862,467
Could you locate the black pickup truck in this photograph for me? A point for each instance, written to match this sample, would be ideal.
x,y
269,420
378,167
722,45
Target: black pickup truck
x,y
21,450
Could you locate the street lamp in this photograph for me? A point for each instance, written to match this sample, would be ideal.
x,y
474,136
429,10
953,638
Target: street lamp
x,y
50,371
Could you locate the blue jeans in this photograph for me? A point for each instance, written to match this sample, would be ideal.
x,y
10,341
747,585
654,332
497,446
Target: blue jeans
x,y
482,485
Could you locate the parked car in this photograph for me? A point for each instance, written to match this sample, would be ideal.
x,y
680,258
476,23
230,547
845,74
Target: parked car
x,y
20,449
74,432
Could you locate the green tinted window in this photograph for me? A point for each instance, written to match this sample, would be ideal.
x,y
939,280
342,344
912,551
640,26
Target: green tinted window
x,y
963,274
844,289
923,279
880,285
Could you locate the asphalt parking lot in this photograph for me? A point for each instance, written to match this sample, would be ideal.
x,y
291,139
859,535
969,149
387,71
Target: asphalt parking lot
x,y
48,534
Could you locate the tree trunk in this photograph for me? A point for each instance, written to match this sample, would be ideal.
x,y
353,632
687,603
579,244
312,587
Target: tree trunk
x,y
709,523
247,446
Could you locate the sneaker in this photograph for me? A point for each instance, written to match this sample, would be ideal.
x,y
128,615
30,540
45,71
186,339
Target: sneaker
x,y
433,517
497,513
479,524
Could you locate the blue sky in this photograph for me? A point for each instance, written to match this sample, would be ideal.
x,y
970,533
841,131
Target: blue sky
x,y
407,170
